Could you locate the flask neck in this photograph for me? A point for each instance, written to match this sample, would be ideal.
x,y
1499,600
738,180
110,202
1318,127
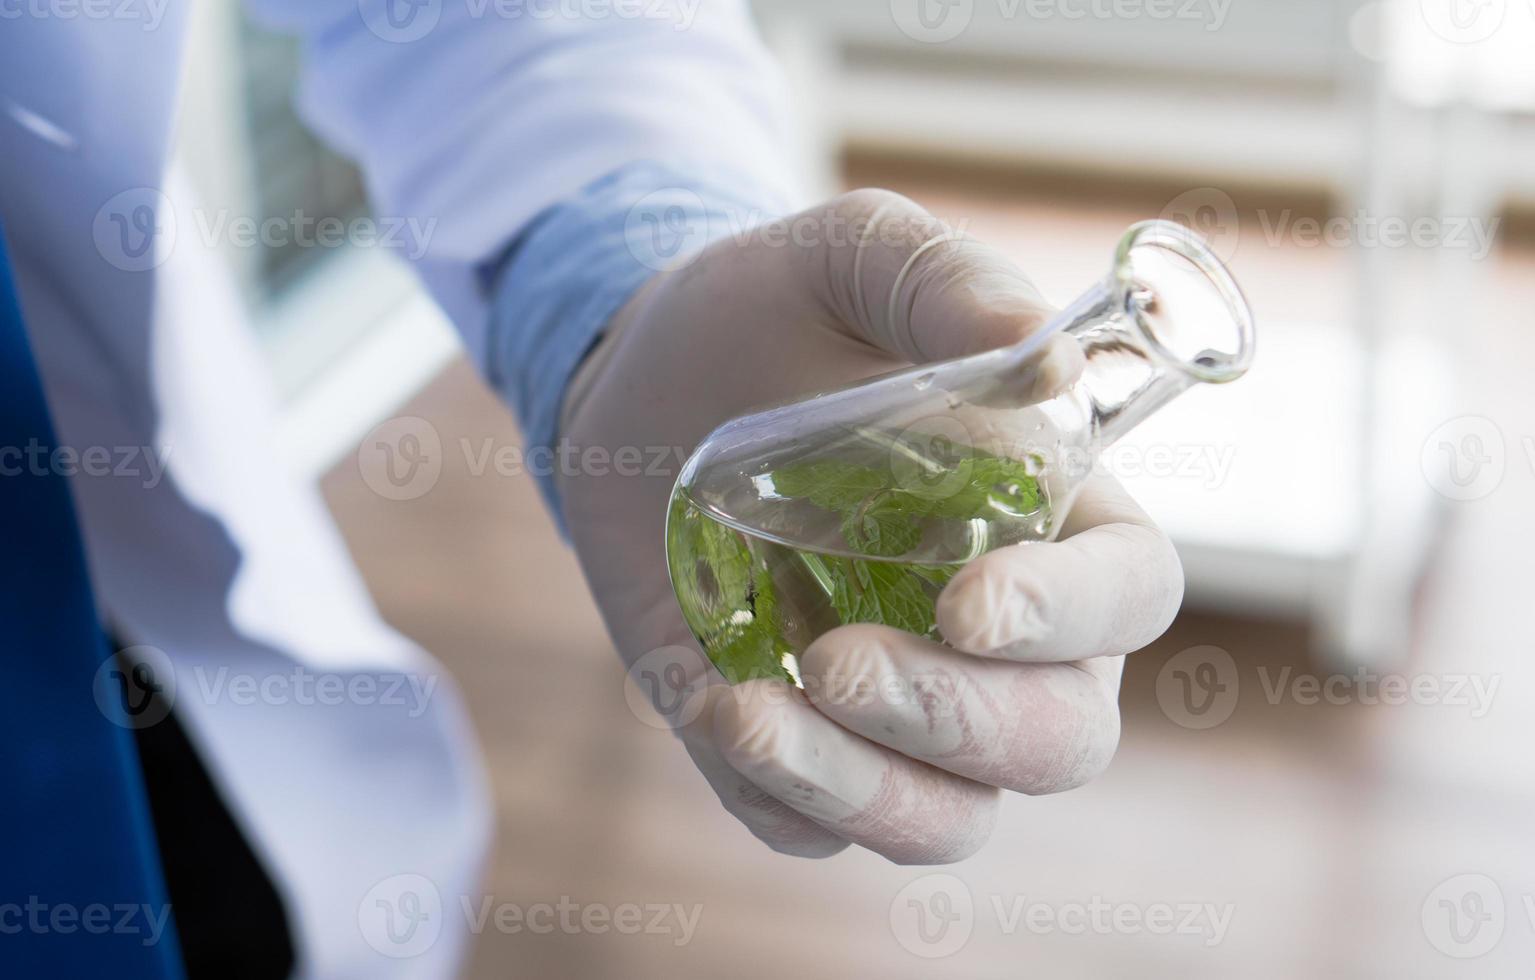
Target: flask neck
x,y
1124,382
1167,317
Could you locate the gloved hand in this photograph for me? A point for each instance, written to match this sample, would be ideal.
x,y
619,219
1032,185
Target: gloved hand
x,y
1036,632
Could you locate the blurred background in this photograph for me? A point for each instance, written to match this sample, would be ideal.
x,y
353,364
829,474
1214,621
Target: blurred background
x,y
1325,768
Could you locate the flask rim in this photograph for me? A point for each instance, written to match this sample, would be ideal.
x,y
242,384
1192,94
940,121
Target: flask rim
x,y
1181,241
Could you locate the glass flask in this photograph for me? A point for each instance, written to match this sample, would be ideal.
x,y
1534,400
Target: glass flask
x,y
858,505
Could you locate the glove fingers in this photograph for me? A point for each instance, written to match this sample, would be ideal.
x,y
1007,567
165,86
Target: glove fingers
x,y
1110,588
1031,728
906,810
911,286
770,820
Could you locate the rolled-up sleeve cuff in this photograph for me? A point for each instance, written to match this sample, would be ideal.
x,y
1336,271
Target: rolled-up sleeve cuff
x,y
560,283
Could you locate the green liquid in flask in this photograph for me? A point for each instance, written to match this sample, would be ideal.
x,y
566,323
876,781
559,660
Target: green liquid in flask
x,y
859,505
755,602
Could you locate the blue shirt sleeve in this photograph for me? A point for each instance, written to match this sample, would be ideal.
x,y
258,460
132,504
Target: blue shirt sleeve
x,y
577,263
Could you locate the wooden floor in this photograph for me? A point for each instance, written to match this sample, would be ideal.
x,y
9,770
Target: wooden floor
x,y
1322,830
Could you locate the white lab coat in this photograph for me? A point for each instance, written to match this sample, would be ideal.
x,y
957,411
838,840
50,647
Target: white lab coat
x,y
229,563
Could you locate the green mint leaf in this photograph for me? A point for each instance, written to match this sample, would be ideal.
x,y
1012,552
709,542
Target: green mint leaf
x,y
880,592
829,484
887,527
883,518
938,575
1009,483
745,652
988,482
742,648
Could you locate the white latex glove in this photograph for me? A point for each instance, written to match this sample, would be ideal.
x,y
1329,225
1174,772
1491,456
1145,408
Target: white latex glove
x,y
1024,698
